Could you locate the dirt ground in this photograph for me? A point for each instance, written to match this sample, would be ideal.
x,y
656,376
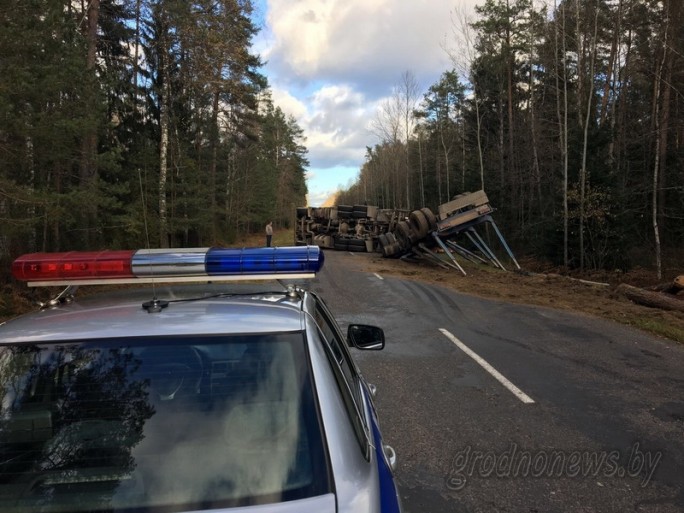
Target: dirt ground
x,y
543,287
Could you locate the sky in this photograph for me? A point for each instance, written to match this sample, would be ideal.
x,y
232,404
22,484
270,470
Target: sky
x,y
332,63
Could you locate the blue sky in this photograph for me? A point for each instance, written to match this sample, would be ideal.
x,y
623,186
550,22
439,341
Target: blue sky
x,y
332,63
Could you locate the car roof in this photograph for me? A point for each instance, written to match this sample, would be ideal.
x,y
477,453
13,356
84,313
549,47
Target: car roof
x,y
206,309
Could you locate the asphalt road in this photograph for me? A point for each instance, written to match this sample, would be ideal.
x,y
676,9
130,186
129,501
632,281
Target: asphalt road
x,y
585,416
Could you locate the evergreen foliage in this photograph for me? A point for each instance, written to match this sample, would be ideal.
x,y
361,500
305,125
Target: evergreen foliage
x,y
590,91
128,123
88,89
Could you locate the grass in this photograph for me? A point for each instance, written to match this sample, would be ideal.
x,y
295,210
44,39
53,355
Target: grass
x,y
658,327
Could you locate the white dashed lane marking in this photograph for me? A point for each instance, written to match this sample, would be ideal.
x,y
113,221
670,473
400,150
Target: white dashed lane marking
x,y
483,363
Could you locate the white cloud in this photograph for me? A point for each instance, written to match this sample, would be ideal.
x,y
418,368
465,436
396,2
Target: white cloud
x,y
335,123
330,63
368,42
288,103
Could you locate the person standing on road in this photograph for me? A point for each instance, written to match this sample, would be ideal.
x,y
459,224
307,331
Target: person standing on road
x,y
269,233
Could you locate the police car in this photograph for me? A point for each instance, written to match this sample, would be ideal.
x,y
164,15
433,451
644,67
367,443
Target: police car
x,y
233,395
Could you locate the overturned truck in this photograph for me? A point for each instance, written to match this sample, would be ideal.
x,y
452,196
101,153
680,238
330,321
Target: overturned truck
x,y
345,227
407,234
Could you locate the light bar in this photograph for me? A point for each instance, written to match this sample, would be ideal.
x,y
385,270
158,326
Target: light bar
x,y
167,265
73,265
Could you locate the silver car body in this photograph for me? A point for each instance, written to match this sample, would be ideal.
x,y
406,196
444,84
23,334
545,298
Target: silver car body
x,y
355,471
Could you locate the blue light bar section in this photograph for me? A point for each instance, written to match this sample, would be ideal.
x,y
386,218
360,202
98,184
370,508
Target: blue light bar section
x,y
292,260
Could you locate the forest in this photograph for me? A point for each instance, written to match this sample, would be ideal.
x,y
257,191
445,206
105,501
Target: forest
x,y
138,123
570,116
150,123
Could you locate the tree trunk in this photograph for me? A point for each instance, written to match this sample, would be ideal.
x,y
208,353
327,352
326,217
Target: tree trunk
x,y
673,22
611,64
502,163
438,176
136,55
533,130
622,111
660,140
563,128
88,165
579,37
446,161
479,140
583,171
164,101
410,91
652,299
420,167
463,157
214,163
663,133
617,87
30,161
512,168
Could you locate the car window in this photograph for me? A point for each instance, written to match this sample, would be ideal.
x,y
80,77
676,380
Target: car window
x,y
185,423
345,372
326,321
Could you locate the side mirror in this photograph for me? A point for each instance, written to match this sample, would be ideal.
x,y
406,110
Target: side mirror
x,y
362,336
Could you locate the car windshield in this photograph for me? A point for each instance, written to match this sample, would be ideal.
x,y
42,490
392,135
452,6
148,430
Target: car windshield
x,y
158,424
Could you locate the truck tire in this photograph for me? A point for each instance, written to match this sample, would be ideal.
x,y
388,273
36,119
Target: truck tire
x,y
432,219
404,231
361,243
419,223
391,250
398,249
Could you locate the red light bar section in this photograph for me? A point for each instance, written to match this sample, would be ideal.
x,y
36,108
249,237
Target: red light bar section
x,y
73,265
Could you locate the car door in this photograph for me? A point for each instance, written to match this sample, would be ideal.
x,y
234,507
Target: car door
x,y
360,407
346,374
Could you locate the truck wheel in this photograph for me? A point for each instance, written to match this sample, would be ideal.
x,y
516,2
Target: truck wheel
x,y
404,230
432,219
419,223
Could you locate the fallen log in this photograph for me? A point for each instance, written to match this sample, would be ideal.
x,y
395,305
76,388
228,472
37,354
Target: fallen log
x,y
652,299
663,287
670,287
586,282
